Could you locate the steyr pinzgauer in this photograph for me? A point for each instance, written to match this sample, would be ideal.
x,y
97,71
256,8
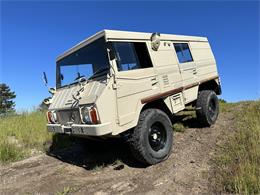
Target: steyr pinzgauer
x,y
130,84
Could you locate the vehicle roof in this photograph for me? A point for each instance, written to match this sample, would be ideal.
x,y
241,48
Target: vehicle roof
x,y
113,35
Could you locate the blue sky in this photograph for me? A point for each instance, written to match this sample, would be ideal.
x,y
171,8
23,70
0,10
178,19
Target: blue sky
x,y
33,34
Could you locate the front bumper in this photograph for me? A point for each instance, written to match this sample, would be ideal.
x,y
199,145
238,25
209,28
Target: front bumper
x,y
81,129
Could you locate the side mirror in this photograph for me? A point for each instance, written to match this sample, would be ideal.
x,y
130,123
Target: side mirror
x,y
45,79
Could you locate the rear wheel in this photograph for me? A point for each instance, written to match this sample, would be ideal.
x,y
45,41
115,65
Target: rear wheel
x,y
207,107
151,140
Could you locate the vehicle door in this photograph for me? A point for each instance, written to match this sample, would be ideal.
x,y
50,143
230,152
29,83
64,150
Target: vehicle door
x,y
135,78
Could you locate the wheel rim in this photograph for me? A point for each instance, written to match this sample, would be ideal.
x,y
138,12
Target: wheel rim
x,y
157,136
212,108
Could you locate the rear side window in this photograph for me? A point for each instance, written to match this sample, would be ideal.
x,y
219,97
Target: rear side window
x,y
183,52
131,56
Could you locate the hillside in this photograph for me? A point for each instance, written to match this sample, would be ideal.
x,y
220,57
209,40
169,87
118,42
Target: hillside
x,y
223,158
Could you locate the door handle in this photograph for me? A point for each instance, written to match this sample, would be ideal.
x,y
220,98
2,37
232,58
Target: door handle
x,y
154,81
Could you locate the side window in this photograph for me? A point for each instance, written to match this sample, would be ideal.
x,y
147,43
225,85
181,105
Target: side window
x,y
183,52
132,56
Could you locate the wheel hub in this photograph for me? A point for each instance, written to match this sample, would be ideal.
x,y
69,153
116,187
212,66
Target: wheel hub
x,y
157,136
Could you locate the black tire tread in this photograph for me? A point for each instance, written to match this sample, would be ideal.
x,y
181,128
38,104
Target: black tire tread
x,y
134,141
202,107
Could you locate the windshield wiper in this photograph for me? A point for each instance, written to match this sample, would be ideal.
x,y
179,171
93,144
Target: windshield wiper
x,y
95,74
79,77
98,72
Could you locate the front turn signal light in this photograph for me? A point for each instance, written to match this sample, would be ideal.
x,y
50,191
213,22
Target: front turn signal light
x,y
51,117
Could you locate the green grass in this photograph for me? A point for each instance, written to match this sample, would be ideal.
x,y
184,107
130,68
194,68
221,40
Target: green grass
x,y
183,120
179,127
237,162
66,190
10,152
20,133
226,107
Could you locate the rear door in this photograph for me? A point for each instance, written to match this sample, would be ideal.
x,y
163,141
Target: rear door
x,y
187,65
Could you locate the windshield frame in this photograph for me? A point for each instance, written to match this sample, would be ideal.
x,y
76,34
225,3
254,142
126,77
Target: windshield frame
x,y
58,65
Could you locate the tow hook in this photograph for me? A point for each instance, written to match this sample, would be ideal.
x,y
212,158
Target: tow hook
x,y
67,130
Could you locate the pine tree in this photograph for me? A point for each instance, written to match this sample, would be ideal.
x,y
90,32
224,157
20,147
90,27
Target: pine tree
x,y
6,99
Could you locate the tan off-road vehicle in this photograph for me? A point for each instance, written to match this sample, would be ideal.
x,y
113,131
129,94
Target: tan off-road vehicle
x,y
130,84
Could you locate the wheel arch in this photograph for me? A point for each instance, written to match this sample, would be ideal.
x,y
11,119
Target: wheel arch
x,y
211,85
158,104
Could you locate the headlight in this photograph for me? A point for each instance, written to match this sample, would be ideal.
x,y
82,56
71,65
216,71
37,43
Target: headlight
x,y
89,115
85,116
51,116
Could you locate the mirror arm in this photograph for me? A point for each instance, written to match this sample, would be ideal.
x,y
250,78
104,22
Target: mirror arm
x,y
45,79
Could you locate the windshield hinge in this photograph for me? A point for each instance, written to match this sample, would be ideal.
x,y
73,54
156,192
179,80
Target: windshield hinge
x,y
114,85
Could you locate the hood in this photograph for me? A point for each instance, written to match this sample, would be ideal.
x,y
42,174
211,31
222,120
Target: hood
x,y
72,96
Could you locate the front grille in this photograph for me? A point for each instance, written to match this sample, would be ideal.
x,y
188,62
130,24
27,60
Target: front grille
x,y
68,116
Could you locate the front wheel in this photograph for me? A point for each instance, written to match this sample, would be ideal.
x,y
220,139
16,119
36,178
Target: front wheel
x,y
151,140
207,107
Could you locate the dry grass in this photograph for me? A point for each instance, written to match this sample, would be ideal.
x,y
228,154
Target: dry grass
x,y
237,163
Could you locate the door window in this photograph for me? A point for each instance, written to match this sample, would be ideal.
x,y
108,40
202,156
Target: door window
x,y
131,56
183,52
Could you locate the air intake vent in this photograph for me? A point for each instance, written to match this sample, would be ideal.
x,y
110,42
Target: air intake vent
x,y
165,80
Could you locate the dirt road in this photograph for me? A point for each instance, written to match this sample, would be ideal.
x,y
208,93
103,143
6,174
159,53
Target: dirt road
x,y
106,168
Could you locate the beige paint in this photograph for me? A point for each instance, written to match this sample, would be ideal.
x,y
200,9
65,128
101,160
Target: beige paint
x,y
118,98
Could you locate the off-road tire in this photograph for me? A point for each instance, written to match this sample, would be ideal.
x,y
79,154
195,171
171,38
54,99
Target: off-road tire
x,y
207,108
139,139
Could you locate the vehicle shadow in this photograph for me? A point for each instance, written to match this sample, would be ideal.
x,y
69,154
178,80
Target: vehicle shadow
x,y
93,154
187,120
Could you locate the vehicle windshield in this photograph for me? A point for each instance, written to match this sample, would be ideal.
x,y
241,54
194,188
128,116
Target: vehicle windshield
x,y
83,63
